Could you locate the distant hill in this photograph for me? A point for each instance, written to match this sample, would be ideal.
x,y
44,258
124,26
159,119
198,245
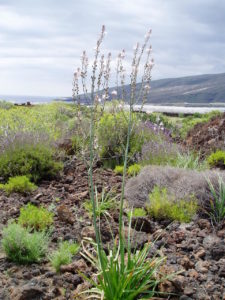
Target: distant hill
x,y
200,89
192,89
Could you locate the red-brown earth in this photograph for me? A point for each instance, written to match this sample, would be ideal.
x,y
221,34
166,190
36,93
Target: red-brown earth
x,y
195,250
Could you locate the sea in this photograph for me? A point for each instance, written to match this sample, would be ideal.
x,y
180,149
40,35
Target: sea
x,y
185,109
31,99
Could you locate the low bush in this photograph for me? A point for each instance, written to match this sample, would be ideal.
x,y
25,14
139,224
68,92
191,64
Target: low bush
x,y
38,161
112,137
158,148
18,184
164,206
217,159
64,254
179,182
119,170
137,213
23,247
38,218
134,170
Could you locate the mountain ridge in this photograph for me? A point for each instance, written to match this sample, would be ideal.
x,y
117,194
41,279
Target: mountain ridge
x,y
196,89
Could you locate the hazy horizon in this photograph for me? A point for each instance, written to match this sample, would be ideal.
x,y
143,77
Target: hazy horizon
x,y
67,96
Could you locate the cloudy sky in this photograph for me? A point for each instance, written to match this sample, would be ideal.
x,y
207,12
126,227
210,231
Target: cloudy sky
x,y
41,41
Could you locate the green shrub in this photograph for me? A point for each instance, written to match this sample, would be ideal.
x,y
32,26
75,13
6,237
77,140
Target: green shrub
x,y
157,118
158,150
217,213
76,144
217,159
137,212
187,123
164,206
190,160
80,143
18,184
35,160
133,170
34,217
21,246
64,254
104,203
119,170
112,137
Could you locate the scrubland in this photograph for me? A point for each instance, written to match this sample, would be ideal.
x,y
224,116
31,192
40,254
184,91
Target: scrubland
x,y
101,202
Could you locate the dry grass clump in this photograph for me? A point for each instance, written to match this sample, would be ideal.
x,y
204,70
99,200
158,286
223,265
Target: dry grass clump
x,y
179,182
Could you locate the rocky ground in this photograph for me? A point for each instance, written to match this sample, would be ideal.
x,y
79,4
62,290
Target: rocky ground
x,y
196,251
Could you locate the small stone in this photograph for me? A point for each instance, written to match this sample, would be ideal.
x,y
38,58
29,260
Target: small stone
x,y
65,215
167,287
222,271
69,179
189,291
221,233
88,231
218,250
142,224
82,195
38,196
193,274
27,275
184,297
28,292
186,263
176,237
79,265
210,240
203,223
179,282
36,272
202,266
200,254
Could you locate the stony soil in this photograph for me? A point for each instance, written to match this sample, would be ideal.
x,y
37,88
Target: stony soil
x,y
209,136
196,250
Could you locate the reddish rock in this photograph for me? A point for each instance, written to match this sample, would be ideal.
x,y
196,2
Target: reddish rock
x,y
203,223
75,267
88,231
65,215
200,254
186,263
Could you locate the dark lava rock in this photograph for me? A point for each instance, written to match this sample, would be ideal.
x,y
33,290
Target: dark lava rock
x,y
142,224
218,250
28,292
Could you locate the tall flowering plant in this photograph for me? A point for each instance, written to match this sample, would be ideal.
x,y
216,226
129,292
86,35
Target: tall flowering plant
x,y
122,274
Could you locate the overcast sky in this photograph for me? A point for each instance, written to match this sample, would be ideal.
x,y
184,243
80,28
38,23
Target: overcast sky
x,y
41,41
